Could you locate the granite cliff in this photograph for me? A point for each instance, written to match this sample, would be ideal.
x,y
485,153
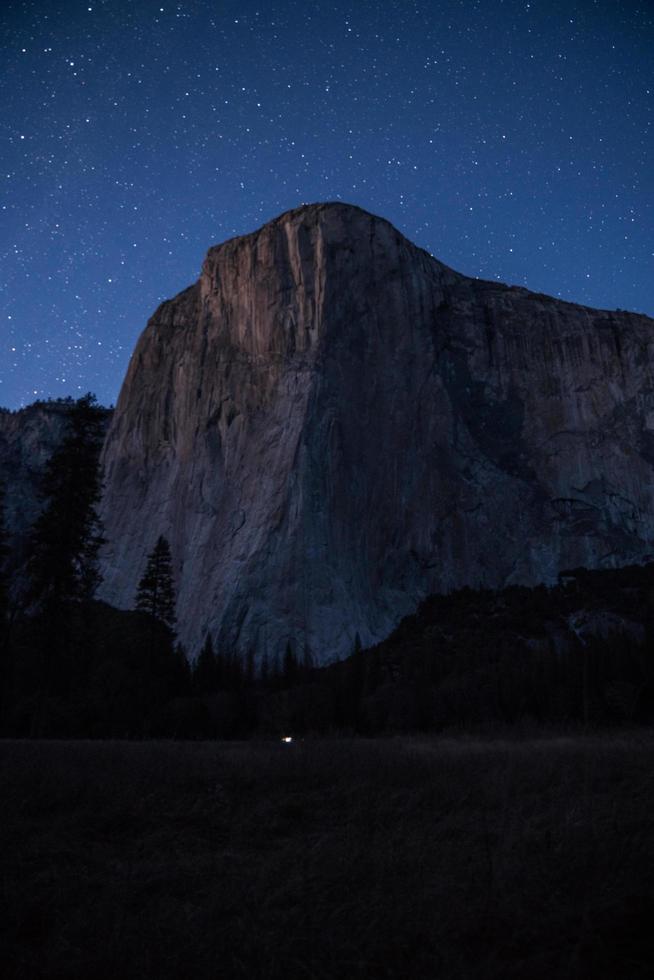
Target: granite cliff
x,y
331,424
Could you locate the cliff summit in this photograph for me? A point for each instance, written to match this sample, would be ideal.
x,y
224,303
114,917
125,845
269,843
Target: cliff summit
x,y
331,424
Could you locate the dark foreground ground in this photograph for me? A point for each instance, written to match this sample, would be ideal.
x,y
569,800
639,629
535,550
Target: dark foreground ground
x,y
407,858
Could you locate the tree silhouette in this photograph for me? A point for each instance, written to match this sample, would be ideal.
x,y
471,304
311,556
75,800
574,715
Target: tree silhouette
x,y
66,538
63,547
289,666
205,670
156,591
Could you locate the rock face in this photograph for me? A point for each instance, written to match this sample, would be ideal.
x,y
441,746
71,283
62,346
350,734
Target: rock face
x,y
331,424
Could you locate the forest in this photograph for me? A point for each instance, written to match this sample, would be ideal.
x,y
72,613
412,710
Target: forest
x,y
573,655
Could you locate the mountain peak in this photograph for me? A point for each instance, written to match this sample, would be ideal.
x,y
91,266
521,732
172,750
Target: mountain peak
x,y
349,219
331,425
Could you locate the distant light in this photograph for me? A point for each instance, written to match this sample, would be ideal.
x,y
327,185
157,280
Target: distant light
x,y
287,738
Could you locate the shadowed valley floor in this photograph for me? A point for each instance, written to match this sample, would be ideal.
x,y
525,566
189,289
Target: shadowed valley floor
x,y
407,857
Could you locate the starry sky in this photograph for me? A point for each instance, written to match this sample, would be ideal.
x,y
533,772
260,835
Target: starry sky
x,y
513,140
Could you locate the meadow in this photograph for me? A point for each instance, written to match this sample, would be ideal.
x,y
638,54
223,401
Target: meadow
x,y
406,857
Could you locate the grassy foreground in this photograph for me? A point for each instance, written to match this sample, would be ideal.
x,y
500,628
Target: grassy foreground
x,y
407,857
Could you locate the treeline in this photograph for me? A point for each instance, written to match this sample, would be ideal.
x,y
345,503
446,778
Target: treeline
x,y
578,654
465,662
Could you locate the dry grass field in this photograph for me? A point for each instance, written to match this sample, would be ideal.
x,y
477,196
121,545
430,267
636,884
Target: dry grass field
x,y
397,858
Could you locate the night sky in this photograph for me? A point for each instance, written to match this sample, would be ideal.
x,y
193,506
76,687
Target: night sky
x,y
513,140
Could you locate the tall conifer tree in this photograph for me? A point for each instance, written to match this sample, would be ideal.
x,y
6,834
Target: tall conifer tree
x,y
156,590
67,536
205,672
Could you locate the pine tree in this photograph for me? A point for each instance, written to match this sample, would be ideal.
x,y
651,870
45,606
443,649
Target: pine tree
x,y
356,676
290,666
307,661
250,670
67,536
205,679
156,590
234,672
182,671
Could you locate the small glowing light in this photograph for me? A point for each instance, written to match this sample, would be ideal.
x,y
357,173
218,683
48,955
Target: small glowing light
x,y
287,738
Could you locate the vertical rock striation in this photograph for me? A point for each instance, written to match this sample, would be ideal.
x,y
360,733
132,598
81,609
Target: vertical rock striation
x,y
331,424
